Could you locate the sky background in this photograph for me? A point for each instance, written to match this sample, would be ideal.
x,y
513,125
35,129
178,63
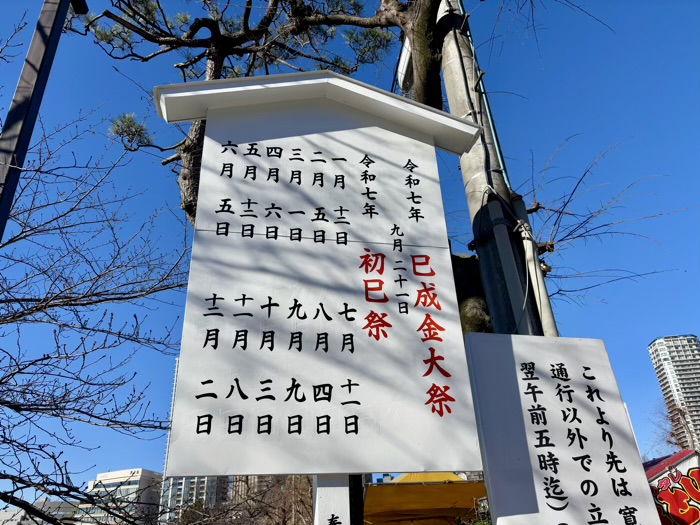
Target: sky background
x,y
625,87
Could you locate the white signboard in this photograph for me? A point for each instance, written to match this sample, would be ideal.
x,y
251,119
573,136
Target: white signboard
x,y
556,440
321,329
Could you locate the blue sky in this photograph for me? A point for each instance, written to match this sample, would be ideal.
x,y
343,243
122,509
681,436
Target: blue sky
x,y
630,92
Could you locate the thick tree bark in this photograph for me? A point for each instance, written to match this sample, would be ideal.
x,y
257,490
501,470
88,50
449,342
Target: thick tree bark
x,y
419,28
191,150
191,157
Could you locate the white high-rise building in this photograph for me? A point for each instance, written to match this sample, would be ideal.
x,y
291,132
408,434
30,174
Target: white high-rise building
x,y
182,492
676,360
178,493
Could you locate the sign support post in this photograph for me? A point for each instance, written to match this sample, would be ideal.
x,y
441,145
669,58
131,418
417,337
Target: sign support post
x,y
332,499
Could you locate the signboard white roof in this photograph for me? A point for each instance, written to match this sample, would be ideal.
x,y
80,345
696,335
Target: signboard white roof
x,y
192,101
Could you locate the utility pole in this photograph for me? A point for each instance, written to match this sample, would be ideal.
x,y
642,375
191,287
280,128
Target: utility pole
x,y
512,278
19,124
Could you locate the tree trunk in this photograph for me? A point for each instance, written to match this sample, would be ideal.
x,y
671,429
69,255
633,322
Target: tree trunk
x,y
419,28
191,150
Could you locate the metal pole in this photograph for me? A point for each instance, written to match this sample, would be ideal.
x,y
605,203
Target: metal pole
x,y
544,305
357,499
19,124
503,268
513,283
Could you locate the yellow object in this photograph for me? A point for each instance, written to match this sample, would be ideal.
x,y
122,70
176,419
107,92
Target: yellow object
x,y
433,498
428,477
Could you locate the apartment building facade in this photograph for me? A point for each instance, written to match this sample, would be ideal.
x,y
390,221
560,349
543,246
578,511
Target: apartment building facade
x,y
181,492
676,360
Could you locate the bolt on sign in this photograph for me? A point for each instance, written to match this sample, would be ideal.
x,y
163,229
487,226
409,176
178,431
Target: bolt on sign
x,y
552,424
321,331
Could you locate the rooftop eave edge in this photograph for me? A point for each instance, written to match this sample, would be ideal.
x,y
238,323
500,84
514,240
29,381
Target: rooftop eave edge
x,y
202,96
404,111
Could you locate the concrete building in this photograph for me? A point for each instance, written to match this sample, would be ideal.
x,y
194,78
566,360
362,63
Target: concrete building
x,y
178,493
14,517
182,492
63,510
676,360
133,492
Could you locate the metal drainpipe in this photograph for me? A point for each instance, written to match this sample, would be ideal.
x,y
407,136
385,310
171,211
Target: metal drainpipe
x,y
544,305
